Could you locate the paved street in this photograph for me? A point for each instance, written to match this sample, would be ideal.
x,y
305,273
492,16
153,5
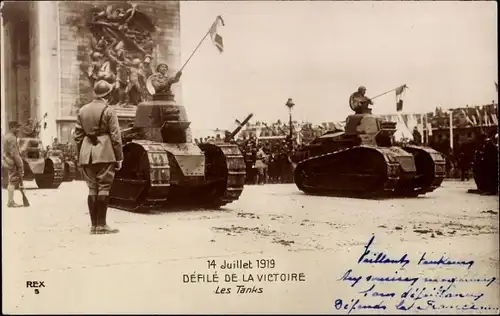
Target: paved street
x,y
140,270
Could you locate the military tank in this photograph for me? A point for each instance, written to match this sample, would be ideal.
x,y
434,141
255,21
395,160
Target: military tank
x,y
362,162
163,167
70,171
485,166
47,171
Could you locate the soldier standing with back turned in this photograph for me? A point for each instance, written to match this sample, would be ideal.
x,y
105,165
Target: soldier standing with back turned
x,y
99,146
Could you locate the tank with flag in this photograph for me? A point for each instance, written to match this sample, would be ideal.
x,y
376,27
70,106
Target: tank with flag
x,y
162,165
364,161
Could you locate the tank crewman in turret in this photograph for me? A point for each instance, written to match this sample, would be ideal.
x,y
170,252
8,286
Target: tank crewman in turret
x,y
30,129
161,82
12,162
99,146
359,102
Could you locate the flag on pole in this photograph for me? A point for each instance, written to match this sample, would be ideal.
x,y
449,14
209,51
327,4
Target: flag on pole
x,y
216,38
496,85
399,97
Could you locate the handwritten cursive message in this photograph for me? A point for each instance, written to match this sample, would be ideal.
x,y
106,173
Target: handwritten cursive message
x,y
242,276
382,281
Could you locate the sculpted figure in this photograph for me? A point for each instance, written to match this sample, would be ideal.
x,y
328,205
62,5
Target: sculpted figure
x,y
122,47
121,63
136,82
98,46
161,83
100,69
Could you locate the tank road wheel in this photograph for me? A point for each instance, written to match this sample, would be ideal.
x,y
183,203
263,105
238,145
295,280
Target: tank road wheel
x,y
52,175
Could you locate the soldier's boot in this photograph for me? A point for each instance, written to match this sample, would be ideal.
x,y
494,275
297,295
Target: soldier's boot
x,y
102,227
10,194
13,204
92,205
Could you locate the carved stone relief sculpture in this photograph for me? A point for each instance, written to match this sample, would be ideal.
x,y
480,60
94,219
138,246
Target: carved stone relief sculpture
x,y
121,51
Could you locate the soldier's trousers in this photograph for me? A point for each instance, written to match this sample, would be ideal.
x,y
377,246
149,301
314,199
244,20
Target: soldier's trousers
x,y
15,178
99,177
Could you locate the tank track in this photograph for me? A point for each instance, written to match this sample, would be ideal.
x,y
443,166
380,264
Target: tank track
x,y
386,187
236,173
70,171
398,177
141,195
53,174
436,172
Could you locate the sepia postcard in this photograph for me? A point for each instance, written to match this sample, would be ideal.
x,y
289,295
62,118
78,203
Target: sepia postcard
x,y
249,157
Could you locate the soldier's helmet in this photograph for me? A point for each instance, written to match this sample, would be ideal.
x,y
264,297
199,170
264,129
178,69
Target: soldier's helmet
x,y
96,56
362,89
162,68
102,88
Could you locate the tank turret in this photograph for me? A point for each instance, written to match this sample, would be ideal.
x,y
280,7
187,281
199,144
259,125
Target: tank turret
x,y
163,120
47,171
370,129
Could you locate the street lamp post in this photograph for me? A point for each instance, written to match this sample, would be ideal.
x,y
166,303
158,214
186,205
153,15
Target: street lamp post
x,y
290,105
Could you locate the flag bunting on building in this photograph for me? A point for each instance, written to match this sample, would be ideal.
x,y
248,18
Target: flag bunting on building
x,y
216,38
467,118
399,97
479,117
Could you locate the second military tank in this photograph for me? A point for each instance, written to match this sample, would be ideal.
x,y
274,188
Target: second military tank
x,y
163,167
362,162
47,171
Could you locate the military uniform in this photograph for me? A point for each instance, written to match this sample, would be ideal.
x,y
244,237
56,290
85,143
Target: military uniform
x,y
12,162
99,145
359,102
261,166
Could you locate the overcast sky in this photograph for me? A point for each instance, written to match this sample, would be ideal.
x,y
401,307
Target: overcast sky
x,y
318,53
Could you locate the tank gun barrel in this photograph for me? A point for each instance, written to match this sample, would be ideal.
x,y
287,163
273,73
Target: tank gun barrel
x,y
238,129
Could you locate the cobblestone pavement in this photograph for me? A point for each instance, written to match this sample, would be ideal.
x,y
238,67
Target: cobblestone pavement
x,y
140,270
